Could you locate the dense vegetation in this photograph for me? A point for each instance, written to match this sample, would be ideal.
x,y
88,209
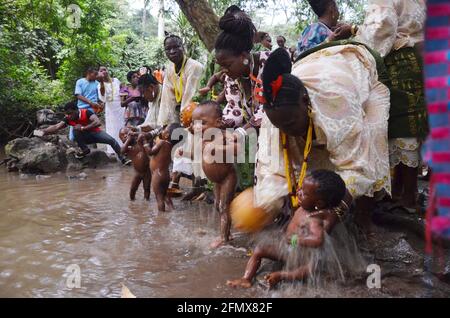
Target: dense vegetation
x,y
42,54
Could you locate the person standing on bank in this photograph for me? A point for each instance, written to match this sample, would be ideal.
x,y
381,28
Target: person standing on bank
x,y
180,85
109,93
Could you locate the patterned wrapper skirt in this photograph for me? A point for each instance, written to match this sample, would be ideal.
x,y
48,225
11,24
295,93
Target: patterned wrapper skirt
x,y
408,113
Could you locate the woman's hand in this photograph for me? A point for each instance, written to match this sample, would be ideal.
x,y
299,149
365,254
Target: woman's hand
x,y
342,32
141,139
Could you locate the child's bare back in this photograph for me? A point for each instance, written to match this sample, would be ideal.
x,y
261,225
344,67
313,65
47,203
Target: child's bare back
x,y
217,172
135,151
161,158
207,118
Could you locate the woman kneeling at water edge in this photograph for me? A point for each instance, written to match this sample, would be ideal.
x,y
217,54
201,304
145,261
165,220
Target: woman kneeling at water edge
x,y
341,124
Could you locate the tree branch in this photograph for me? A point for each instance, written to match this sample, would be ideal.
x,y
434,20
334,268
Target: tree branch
x,y
203,19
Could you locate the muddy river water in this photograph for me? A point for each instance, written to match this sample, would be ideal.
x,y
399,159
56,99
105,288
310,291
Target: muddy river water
x,y
51,225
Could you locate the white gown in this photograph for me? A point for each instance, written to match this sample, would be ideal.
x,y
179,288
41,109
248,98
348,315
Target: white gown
x,y
114,112
167,113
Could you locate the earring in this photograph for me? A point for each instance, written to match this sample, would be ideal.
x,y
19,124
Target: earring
x,y
153,94
246,62
316,208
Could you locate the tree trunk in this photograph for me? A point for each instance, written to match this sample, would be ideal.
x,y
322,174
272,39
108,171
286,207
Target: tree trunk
x,y
161,26
203,19
144,18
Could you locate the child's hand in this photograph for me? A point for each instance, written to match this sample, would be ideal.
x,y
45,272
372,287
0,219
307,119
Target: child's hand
x,y
204,91
273,279
141,139
180,152
191,128
220,76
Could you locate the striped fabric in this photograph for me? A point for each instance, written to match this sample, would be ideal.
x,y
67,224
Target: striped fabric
x,y
437,148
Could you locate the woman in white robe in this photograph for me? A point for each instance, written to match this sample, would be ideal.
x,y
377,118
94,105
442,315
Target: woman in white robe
x,y
109,93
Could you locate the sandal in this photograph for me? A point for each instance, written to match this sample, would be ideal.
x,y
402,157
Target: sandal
x,y
82,154
399,206
196,191
174,185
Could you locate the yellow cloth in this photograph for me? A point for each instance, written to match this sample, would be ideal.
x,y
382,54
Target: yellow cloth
x,y
192,75
350,110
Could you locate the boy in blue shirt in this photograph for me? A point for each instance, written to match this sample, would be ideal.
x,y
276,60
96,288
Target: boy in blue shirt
x,y
86,90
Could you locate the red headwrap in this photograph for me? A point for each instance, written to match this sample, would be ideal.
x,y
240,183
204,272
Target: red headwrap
x,y
276,86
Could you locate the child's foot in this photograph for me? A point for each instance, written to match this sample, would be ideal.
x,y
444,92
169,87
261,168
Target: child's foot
x,y
218,243
239,283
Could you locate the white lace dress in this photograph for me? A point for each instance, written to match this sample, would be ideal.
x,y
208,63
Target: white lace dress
x,y
350,117
391,25
114,112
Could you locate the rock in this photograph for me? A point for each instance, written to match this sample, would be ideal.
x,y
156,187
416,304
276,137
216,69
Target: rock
x,y
48,155
399,259
42,177
95,159
18,146
80,176
46,117
36,156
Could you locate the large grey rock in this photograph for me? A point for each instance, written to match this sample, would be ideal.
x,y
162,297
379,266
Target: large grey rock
x,y
96,159
50,154
45,117
36,156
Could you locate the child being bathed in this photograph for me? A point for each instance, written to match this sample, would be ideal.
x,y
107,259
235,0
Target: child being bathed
x,y
206,117
141,163
161,158
320,199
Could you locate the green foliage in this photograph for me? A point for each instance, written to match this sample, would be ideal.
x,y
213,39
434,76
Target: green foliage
x,y
41,57
133,52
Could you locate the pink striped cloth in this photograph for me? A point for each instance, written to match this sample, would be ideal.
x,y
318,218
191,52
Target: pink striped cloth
x,y
437,148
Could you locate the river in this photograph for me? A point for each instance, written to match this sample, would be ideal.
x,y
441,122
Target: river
x,y
49,225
